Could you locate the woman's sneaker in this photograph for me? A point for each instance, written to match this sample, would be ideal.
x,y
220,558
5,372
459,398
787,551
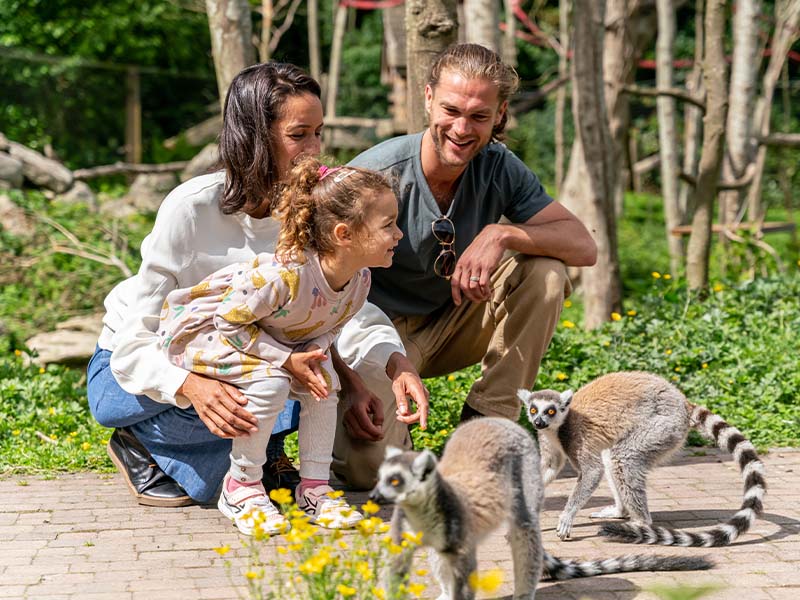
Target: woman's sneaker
x,y
248,507
326,508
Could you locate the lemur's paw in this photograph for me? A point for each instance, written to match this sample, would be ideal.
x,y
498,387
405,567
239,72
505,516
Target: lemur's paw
x,y
564,527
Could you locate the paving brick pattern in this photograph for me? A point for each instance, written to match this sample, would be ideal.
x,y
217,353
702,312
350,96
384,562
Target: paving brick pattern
x,y
83,537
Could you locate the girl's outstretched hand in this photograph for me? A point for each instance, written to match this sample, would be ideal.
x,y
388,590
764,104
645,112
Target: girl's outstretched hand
x,y
305,368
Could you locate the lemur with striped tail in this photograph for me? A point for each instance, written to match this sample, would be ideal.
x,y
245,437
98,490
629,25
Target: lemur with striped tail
x,y
487,476
626,423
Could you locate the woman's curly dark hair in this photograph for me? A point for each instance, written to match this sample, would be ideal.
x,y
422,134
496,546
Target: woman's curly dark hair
x,y
252,105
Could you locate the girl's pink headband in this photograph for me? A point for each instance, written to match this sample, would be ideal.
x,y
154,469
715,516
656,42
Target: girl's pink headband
x,y
345,173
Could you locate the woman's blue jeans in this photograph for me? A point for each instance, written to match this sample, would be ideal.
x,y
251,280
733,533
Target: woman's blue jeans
x,y
178,440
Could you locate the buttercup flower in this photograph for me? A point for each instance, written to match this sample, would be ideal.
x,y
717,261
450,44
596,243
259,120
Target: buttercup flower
x,y
561,376
567,303
568,324
615,316
222,550
656,275
281,496
345,591
487,582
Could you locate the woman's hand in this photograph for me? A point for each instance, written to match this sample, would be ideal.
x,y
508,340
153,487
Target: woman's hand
x,y
305,368
219,405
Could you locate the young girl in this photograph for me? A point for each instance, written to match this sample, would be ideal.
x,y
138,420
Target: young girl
x,y
267,326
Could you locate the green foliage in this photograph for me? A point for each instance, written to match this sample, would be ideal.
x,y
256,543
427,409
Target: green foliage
x,y
45,426
40,287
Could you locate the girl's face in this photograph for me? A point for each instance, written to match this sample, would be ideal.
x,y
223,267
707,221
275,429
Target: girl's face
x,y
297,131
381,233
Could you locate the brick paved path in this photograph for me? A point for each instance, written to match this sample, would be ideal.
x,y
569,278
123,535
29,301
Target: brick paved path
x,y
83,537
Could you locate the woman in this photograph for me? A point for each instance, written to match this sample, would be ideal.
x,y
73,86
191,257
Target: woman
x,y
173,427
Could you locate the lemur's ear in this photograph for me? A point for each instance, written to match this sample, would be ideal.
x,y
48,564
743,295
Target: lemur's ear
x,y
423,465
566,398
524,396
392,451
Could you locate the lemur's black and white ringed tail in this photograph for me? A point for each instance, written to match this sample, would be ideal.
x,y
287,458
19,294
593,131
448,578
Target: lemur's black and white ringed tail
x,y
556,568
727,438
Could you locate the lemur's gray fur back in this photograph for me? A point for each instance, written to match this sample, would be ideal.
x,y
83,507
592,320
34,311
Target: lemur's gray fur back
x,y
624,424
488,475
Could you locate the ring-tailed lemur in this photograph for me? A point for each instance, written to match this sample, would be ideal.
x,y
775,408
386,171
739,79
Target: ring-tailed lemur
x,y
487,476
626,423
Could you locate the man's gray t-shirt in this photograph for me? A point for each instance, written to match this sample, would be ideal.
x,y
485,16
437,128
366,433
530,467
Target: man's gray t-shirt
x,y
496,183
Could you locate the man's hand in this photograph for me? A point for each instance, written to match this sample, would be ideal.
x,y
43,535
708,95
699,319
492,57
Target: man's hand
x,y
363,419
476,265
304,367
406,382
219,405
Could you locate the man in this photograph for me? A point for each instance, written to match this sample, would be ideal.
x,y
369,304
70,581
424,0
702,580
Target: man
x,y
463,288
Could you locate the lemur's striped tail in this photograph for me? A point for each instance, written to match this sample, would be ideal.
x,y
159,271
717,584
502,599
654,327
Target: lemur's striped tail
x,y
727,438
556,568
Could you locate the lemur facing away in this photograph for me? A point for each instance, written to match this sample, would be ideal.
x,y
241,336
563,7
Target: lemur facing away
x,y
627,423
487,476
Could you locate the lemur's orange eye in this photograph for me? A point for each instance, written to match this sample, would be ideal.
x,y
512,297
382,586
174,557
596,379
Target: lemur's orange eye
x,y
551,412
533,410
394,481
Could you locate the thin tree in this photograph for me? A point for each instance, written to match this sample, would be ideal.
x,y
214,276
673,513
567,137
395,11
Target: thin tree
x,y
481,24
715,79
431,26
667,129
561,94
231,28
589,186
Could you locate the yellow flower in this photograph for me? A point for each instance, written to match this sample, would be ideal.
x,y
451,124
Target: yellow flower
x,y
421,572
567,303
343,545
615,316
41,370
443,432
606,344
704,365
488,582
335,494
281,550
222,550
53,437
451,378
51,411
363,569
677,369
16,432
17,352
718,287
567,324
656,275
667,351
253,575
561,376
675,378
415,589
631,313
345,591
667,276
379,593
414,538
370,508
281,496
85,446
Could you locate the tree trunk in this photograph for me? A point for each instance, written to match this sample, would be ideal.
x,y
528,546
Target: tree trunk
x,y
314,55
510,35
267,16
394,63
591,178
739,128
561,94
231,35
715,78
667,130
629,28
787,13
692,116
339,25
431,26
481,24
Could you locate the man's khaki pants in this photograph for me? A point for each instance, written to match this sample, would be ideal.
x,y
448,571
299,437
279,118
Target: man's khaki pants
x,y
508,335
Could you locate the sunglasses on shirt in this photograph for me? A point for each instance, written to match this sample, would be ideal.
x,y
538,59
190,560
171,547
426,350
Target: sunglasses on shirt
x,y
445,233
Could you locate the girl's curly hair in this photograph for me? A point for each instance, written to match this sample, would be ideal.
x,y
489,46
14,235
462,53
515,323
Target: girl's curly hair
x,y
315,199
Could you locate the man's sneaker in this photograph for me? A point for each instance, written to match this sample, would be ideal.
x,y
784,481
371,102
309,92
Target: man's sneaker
x,y
280,473
248,506
326,508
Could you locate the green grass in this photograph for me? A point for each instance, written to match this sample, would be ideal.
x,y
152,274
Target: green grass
x,y
735,352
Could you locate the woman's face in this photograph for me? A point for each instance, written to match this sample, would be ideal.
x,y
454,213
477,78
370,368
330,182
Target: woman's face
x,y
297,131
